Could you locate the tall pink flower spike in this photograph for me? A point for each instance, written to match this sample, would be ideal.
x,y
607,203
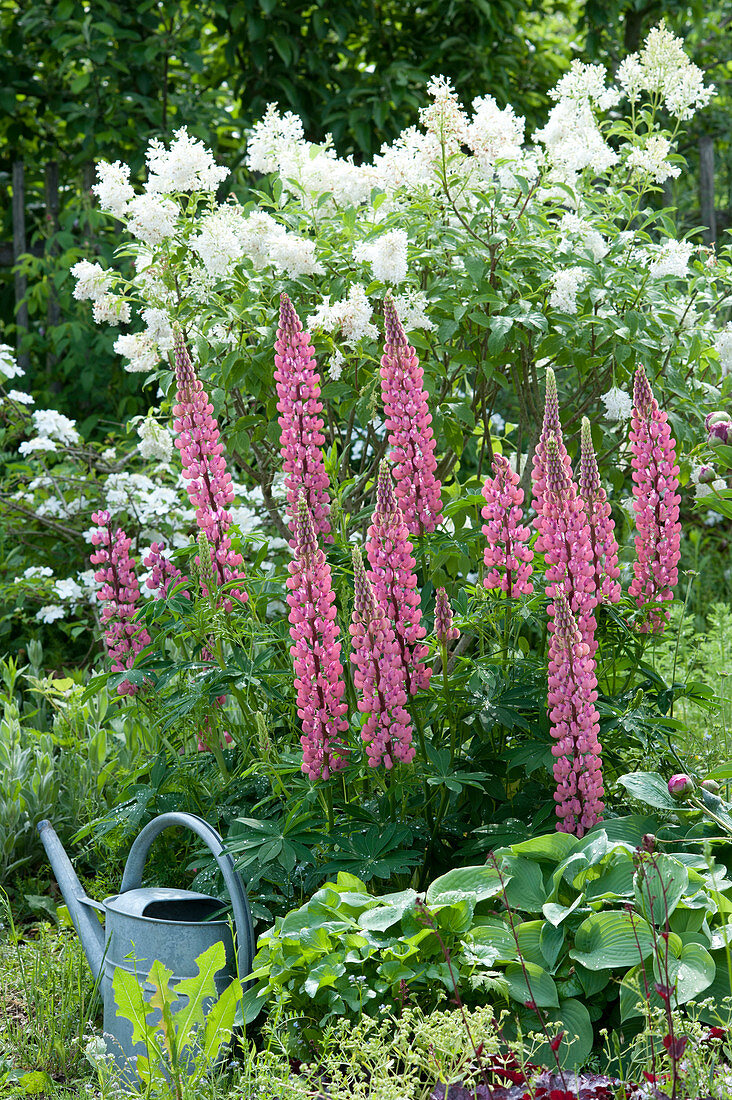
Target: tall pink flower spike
x,y
394,581
551,427
656,501
119,595
445,632
408,423
566,541
507,557
204,468
379,677
575,725
600,522
316,653
299,406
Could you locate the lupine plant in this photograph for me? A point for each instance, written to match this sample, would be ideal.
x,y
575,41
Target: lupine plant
x,y
501,267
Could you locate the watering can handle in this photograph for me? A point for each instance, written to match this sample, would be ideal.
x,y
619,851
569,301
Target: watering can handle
x,y
132,877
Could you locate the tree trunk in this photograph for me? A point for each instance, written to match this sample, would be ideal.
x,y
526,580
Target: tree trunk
x,y
53,312
21,306
706,188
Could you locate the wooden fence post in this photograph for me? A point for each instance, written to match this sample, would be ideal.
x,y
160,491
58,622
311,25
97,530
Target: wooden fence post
x,y
706,188
21,310
53,312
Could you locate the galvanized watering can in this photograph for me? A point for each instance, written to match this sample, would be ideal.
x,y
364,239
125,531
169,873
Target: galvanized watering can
x,y
144,924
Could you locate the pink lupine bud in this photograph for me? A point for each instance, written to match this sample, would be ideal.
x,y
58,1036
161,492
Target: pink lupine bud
x,y
299,406
706,475
656,501
119,595
551,428
204,468
394,581
507,557
565,537
680,785
316,653
575,725
599,521
408,424
163,574
445,632
379,677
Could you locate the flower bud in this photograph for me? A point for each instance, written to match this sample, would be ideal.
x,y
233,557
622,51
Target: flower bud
x,y
716,418
720,434
706,475
711,785
680,785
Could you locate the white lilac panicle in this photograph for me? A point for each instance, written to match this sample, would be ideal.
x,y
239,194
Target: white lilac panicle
x,y
662,69
723,348
54,425
92,281
567,284
139,350
411,307
152,219
494,133
578,231
220,241
8,366
158,329
351,317
186,166
586,83
113,188
650,158
111,309
156,442
269,138
335,366
387,255
21,398
618,404
671,259
408,163
572,140
445,118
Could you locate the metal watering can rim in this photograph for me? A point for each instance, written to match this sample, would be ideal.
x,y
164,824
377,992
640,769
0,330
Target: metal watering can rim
x,y
150,895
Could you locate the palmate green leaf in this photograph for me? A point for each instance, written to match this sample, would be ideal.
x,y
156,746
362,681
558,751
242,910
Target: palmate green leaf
x,y
607,940
198,989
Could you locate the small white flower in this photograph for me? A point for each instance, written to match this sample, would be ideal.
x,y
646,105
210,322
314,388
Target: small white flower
x,y
723,348
352,316
37,571
8,366
111,309
651,158
21,398
270,138
40,443
140,351
54,425
151,219
618,404
68,589
672,259
186,166
335,366
50,613
411,310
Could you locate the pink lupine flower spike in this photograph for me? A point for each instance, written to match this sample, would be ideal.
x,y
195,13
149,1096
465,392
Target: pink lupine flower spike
x,y
507,557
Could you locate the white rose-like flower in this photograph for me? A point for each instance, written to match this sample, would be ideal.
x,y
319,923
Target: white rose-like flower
x,y
618,404
8,366
387,256
50,613
151,219
113,190
54,425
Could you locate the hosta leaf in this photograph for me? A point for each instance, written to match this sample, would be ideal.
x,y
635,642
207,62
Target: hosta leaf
x,y
526,889
606,940
476,883
649,788
530,982
659,885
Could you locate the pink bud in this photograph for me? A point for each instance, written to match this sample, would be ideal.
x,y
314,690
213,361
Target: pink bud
x,y
680,785
706,475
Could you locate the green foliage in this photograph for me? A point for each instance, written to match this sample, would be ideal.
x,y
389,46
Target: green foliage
x,y
189,1025
560,927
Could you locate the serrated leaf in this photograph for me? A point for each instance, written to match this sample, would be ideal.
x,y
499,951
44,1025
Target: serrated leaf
x,y
220,1021
131,1004
163,998
198,989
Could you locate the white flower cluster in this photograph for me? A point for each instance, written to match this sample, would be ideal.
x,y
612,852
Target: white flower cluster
x,y
351,317
52,427
156,442
662,69
671,259
21,398
577,231
411,307
723,348
186,166
618,404
651,158
8,366
226,237
387,255
94,284
567,282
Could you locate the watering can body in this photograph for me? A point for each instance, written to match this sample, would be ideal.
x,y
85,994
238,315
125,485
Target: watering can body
x,y
144,924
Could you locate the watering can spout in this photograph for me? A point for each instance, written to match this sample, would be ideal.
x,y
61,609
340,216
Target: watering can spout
x,y
81,908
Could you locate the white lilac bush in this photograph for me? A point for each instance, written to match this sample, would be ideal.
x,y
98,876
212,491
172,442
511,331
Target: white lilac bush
x,y
506,253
